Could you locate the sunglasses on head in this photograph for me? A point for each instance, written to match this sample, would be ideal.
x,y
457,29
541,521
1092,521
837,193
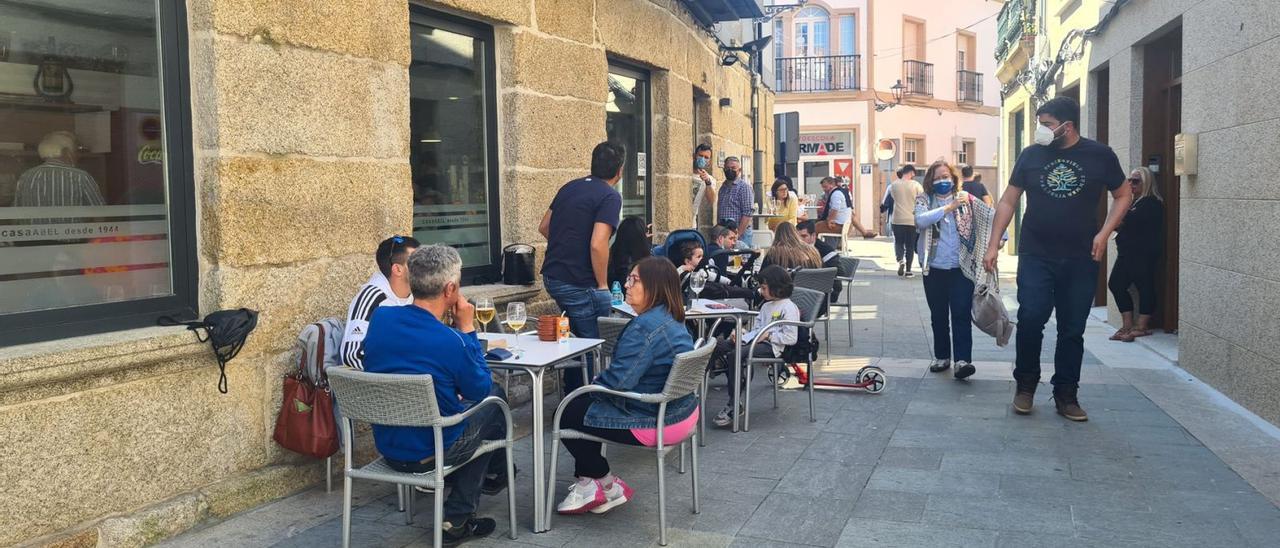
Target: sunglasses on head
x,y
397,243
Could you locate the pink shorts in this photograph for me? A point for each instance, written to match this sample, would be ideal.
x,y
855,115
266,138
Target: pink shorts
x,y
671,434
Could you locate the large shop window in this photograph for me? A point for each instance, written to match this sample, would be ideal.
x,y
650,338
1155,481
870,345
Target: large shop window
x,y
627,122
96,207
452,154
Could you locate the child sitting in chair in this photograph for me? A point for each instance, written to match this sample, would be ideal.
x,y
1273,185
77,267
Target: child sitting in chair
x,y
775,289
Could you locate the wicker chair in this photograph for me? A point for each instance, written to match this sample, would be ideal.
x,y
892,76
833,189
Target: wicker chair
x,y
821,280
846,267
406,400
809,302
610,330
685,377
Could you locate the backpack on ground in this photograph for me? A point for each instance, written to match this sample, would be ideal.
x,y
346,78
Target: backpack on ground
x,y
306,422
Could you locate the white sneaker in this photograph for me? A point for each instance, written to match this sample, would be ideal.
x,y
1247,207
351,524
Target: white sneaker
x,y
724,417
616,495
582,498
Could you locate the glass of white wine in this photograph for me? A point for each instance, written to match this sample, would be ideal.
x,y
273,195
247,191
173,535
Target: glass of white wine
x,y
697,281
515,320
485,312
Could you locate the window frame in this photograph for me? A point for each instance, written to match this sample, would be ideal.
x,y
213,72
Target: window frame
x,y
475,275
641,74
916,153
183,304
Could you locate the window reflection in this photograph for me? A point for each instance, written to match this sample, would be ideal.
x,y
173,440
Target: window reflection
x,y
626,122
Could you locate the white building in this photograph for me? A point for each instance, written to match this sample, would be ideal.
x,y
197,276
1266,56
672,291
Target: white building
x,y
836,63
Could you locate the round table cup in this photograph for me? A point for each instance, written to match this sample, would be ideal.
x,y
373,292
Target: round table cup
x,y
548,327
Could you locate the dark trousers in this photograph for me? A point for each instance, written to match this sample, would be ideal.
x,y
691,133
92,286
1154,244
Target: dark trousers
x,y
722,360
588,462
584,306
486,425
950,297
904,243
1138,271
1046,285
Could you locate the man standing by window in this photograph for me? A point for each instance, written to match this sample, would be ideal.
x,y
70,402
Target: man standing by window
x,y
1063,175
704,190
735,200
578,225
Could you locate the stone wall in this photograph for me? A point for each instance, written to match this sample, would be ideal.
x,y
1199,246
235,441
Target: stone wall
x,y
1229,289
122,439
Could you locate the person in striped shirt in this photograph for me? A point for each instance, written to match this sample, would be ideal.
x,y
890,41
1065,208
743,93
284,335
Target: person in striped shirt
x,y
389,286
57,182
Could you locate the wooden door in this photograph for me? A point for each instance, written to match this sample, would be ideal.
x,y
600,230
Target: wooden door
x,y
1161,120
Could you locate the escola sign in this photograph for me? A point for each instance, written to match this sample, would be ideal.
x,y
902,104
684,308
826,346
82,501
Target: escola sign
x,y
827,143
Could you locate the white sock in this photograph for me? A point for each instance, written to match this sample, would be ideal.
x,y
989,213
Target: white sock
x,y
607,480
585,481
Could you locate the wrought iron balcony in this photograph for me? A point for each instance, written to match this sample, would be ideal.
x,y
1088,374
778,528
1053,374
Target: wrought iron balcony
x,y
968,86
810,74
1009,25
917,77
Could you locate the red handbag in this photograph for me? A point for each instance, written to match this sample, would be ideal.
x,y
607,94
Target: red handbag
x,y
306,423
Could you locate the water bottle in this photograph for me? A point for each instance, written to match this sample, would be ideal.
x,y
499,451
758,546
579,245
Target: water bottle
x,y
617,293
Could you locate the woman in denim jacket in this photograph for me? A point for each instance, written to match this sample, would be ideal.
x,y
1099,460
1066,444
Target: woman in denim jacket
x,y
646,349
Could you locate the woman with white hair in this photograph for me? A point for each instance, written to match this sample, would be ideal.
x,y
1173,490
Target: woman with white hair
x,y
1138,244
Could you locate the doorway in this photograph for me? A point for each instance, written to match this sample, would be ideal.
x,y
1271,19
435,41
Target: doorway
x,y
814,172
627,122
1161,120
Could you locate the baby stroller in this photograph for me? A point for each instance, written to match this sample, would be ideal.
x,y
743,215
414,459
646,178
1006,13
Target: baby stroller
x,y
671,247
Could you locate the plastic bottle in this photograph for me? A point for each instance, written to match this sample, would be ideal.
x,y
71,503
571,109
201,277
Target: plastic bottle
x,y
617,293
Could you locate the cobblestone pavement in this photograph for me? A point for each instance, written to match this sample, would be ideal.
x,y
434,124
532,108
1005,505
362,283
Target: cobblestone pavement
x,y
1163,461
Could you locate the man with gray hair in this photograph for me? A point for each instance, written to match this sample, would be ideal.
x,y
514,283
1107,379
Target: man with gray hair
x,y
415,340
57,182
735,200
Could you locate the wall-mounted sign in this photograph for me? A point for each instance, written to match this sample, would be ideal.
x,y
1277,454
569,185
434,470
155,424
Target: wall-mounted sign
x,y
642,164
844,168
866,169
837,143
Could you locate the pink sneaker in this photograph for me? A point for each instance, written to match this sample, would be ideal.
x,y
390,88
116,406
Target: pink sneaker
x,y
582,498
615,496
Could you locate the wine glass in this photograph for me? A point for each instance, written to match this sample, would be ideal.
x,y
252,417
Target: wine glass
x,y
515,320
697,281
485,312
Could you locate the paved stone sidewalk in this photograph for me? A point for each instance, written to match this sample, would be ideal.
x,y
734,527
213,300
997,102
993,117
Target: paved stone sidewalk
x,y
1164,461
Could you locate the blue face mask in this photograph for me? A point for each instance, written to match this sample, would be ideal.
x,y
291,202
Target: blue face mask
x,y
700,163
943,187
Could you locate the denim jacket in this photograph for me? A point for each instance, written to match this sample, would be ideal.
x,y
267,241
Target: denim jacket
x,y
646,349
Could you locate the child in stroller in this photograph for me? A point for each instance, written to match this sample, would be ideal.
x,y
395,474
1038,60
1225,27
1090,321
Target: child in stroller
x,y
775,288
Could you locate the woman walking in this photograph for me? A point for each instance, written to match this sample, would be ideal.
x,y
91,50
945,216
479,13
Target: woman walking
x,y
1138,243
950,223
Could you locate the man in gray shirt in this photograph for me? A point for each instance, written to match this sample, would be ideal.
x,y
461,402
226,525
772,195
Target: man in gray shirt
x,y
57,181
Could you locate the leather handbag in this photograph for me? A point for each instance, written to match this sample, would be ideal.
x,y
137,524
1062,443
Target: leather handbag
x,y
989,313
517,264
306,422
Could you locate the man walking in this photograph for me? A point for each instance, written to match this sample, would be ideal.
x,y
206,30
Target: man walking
x,y
1063,175
735,200
578,225
904,191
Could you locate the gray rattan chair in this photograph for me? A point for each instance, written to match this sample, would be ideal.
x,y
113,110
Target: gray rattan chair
x,y
822,280
846,268
685,378
610,330
809,302
406,400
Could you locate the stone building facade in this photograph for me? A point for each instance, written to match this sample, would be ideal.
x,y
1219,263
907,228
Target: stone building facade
x,y
302,151
1144,73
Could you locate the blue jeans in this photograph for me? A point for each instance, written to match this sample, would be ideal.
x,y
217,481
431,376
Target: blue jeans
x,y
486,425
583,305
1045,285
950,298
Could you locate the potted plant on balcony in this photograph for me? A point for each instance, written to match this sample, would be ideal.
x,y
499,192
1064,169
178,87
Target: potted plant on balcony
x,y
1028,37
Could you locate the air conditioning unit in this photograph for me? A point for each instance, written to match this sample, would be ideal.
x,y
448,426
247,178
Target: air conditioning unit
x,y
957,143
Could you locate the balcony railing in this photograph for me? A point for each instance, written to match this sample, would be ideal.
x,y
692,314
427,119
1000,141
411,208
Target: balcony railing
x,y
809,74
1009,24
968,86
917,76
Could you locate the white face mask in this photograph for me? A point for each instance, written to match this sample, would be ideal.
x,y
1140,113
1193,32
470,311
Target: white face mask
x,y
1045,136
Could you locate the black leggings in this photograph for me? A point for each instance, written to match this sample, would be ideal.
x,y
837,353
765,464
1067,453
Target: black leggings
x,y
1138,271
588,462
904,243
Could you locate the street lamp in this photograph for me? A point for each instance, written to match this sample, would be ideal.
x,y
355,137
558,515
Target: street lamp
x,y
897,89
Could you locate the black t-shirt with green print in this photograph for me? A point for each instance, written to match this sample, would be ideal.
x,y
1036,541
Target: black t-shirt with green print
x,y
1063,187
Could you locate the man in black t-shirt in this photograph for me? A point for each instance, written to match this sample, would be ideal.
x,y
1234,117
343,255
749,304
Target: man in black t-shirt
x,y
577,226
1060,244
973,185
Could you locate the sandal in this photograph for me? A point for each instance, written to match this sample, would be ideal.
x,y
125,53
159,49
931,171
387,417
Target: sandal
x,y
1121,333
1134,334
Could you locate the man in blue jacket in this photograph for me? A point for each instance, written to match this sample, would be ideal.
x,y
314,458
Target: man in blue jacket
x,y
414,339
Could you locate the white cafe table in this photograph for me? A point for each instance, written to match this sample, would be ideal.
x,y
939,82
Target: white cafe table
x,y
536,358
700,310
